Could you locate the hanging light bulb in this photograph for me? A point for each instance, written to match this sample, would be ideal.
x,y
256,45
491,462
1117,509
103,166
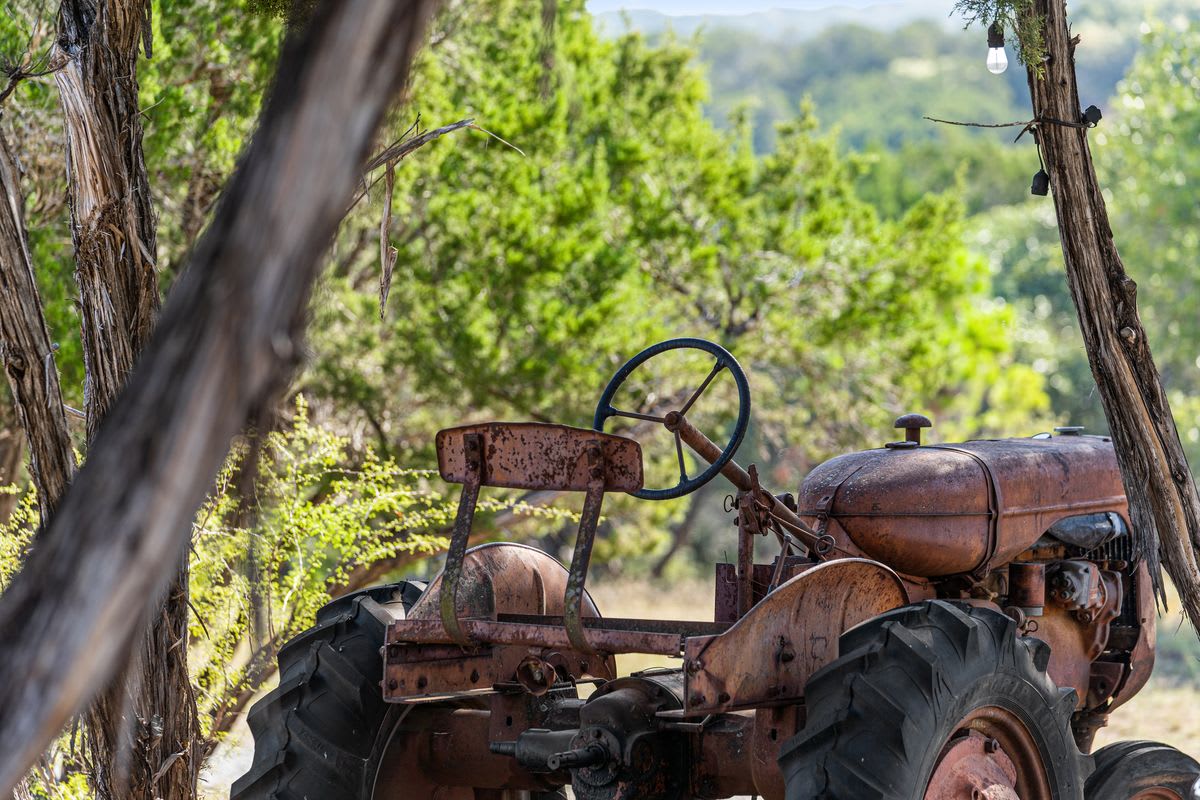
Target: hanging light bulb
x,y
997,59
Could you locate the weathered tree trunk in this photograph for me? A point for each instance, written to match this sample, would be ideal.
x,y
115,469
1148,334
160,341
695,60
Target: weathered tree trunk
x,y
27,356
224,348
143,732
1162,494
112,219
11,453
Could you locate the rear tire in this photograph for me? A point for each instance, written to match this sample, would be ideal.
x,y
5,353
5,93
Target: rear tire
x,y
1143,771
314,735
915,682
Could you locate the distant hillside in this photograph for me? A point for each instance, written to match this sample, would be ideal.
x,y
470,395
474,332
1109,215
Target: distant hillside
x,y
775,23
787,19
875,68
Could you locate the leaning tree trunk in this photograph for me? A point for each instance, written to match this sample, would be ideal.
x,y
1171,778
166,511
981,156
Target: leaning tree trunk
x,y
1162,494
225,347
143,733
27,356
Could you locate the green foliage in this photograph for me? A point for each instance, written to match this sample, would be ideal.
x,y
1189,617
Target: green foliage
x,y
527,279
201,94
984,173
1022,242
319,511
1016,17
1145,157
16,533
874,86
1149,161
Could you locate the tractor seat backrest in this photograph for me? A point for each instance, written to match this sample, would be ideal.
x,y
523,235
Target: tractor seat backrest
x,y
535,455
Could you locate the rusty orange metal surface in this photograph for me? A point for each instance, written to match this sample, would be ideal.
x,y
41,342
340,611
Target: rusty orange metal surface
x,y
498,578
970,767
939,510
939,520
532,455
427,752
502,577
723,753
991,756
534,635
1027,587
772,727
768,655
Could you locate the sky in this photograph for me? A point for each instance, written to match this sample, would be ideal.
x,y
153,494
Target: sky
x,y
689,7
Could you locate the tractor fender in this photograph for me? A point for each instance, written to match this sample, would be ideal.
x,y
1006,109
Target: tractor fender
x,y
504,578
768,655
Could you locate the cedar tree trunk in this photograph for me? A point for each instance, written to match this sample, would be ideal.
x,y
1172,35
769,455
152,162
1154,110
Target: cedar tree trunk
x,y
143,733
225,347
1162,494
27,357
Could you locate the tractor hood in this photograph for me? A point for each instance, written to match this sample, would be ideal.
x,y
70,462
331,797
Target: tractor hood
x,y
939,510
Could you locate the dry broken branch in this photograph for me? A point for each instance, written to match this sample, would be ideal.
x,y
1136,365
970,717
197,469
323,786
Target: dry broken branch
x,y
409,141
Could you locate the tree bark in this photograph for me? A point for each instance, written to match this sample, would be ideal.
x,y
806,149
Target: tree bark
x,y
225,347
1163,502
11,452
112,219
26,353
143,733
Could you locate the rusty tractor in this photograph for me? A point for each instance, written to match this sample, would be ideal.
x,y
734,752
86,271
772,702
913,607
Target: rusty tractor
x,y
938,621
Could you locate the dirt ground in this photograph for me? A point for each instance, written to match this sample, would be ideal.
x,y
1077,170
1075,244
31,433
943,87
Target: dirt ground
x,y
1169,714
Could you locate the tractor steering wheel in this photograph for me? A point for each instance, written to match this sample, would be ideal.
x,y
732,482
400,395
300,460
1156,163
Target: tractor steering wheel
x,y
686,485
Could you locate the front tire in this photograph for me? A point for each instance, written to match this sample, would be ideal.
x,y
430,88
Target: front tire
x,y
1142,770
925,695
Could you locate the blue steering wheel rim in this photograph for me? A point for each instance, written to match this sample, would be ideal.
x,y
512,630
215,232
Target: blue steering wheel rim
x,y
725,359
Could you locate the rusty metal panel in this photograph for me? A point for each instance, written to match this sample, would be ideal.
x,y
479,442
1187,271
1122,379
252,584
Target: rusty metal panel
x,y
532,455
415,672
421,631
503,577
1027,587
722,755
677,627
768,655
942,510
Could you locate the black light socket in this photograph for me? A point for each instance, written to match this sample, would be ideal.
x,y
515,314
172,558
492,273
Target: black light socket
x,y
995,35
1092,115
1041,184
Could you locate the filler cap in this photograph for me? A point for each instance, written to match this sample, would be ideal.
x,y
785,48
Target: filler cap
x,y
912,424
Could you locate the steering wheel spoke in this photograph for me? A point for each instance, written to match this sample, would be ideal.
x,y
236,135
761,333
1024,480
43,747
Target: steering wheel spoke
x,y
683,476
687,484
696,394
615,412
